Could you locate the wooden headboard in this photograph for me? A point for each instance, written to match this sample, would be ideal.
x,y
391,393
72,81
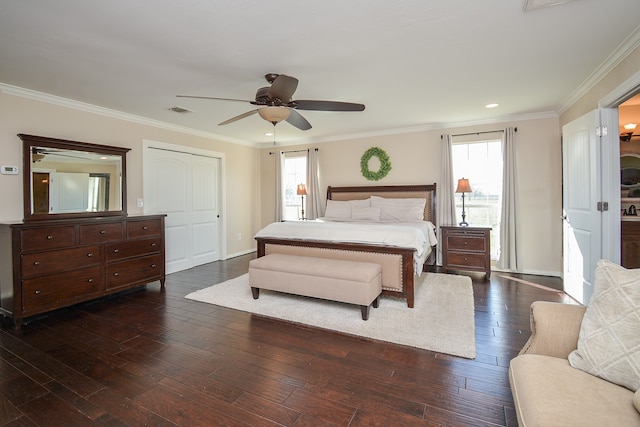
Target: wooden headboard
x,y
389,191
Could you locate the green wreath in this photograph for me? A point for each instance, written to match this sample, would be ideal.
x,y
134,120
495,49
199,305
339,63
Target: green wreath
x,y
385,164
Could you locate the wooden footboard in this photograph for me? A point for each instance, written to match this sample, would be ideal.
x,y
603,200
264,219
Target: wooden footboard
x,y
398,276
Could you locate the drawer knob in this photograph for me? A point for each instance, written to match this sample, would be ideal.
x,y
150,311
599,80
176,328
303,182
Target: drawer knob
x,y
49,237
116,274
153,266
90,280
89,254
115,251
37,292
103,232
36,263
466,243
145,228
154,244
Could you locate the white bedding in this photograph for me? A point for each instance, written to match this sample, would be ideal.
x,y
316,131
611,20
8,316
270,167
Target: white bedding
x,y
416,235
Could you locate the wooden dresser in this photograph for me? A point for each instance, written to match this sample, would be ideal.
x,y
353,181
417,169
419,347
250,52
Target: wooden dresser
x,y
57,263
466,248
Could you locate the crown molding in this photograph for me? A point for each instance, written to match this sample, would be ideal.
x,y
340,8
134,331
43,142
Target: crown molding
x,y
630,44
94,109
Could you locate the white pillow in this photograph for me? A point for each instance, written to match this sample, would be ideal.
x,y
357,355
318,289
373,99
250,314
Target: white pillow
x,y
609,340
361,203
410,209
337,209
369,213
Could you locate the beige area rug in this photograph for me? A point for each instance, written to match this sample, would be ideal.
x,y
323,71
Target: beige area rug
x,y
442,319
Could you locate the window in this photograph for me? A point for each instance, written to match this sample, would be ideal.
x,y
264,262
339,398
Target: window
x,y
481,163
295,172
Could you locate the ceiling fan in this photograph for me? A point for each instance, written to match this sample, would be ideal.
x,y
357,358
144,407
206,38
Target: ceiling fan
x,y
276,104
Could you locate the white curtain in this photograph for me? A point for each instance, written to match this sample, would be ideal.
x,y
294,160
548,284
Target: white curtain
x,y
314,198
508,259
446,198
280,209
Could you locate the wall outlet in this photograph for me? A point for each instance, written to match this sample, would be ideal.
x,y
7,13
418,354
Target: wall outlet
x,y
140,203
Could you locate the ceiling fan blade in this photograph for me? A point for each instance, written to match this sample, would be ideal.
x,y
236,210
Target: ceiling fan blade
x,y
283,88
298,121
241,116
210,97
306,104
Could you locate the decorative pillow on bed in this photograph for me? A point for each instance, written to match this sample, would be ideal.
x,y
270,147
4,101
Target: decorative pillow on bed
x,y
337,209
369,213
609,342
400,209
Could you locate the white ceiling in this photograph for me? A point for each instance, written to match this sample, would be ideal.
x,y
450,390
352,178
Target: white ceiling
x,y
415,64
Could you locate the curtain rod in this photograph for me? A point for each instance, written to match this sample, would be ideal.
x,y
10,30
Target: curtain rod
x,y
479,133
292,151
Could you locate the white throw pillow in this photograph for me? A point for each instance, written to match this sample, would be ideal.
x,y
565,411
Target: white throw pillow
x,y
369,213
609,340
410,209
337,209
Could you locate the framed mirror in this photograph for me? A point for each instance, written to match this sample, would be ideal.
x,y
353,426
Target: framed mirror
x,y
70,179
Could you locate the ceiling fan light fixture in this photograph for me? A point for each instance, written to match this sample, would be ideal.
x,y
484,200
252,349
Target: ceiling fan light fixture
x,y
274,114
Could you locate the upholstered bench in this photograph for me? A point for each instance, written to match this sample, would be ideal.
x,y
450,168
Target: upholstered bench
x,y
337,280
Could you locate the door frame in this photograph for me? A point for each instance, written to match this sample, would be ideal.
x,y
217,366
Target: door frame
x,y
149,144
611,165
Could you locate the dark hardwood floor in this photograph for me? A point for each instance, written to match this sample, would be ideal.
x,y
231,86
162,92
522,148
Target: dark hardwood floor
x,y
153,358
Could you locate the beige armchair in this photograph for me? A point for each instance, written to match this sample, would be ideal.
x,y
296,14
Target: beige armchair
x,y
548,391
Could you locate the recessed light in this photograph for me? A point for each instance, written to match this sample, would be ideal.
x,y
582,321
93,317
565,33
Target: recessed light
x,y
494,105
268,134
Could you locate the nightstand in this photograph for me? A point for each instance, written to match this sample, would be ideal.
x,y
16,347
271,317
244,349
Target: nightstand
x,y
466,248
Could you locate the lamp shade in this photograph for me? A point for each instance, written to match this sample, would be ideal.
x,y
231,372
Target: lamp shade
x,y
301,190
463,186
274,114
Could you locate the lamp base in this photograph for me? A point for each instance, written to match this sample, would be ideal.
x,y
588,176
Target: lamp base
x,y
463,224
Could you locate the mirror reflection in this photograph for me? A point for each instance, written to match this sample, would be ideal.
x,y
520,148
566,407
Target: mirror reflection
x,y
70,181
630,175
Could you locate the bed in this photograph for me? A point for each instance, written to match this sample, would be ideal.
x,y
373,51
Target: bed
x,y
401,263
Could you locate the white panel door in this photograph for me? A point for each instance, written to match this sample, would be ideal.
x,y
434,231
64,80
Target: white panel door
x,y
68,192
185,188
205,209
582,221
167,191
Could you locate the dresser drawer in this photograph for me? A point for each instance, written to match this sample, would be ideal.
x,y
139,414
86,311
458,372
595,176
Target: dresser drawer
x,y
466,243
36,239
39,263
45,292
100,233
143,228
123,273
465,259
127,249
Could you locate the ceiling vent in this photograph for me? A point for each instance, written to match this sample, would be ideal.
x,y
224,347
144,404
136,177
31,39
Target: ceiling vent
x,y
530,5
180,110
